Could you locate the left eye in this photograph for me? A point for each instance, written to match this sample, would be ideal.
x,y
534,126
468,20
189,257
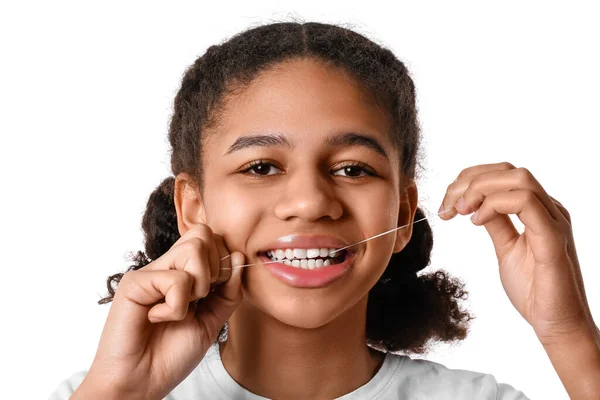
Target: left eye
x,y
353,171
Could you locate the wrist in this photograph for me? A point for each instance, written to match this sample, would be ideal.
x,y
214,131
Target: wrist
x,y
576,359
92,388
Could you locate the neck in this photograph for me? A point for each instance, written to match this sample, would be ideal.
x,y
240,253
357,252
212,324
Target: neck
x,y
275,360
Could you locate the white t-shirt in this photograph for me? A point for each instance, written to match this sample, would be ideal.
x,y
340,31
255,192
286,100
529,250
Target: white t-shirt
x,y
400,377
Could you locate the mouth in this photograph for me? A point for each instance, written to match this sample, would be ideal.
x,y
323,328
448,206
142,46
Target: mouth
x,y
314,258
307,261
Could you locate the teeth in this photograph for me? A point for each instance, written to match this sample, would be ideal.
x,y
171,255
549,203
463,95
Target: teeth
x,y
289,254
299,253
303,258
280,254
312,253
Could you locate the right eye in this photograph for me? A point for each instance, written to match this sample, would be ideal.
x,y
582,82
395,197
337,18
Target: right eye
x,y
260,168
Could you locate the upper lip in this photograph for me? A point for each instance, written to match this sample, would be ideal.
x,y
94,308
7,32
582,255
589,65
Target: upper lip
x,y
300,241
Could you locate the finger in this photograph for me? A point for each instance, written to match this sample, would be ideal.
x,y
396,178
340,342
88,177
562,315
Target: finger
x,y
177,290
140,289
562,209
486,183
206,233
532,213
468,173
196,230
461,183
191,256
213,256
224,265
214,311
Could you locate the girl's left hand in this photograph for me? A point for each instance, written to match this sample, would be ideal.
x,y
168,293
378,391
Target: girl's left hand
x,y
539,269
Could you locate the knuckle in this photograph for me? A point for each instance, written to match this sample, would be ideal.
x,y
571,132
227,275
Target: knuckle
x,y
506,165
194,245
567,214
452,188
127,279
476,183
183,278
179,279
203,230
524,176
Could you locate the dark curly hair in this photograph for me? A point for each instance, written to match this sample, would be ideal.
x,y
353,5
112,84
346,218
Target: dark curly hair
x,y
406,312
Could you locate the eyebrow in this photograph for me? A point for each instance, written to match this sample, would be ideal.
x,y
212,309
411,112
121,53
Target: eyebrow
x,y
279,140
356,139
269,140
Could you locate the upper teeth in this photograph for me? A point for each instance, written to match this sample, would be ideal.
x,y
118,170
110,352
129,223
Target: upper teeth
x,y
290,254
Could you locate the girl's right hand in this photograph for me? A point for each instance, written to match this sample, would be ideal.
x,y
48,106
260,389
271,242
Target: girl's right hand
x,y
154,335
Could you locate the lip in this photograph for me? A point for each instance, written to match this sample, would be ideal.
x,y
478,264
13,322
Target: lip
x,y
307,278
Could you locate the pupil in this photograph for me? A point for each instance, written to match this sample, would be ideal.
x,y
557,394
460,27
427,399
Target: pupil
x,y
261,169
352,171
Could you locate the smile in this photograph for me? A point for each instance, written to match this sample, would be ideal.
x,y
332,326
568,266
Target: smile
x,y
307,261
307,258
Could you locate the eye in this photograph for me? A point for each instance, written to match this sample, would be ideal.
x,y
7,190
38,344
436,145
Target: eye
x,y
260,168
354,169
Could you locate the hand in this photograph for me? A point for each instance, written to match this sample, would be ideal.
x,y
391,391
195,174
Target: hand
x,y
539,269
156,333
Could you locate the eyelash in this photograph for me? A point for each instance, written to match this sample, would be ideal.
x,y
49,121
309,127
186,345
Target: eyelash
x,y
351,164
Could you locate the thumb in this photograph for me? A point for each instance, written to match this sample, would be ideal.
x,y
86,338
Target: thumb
x,y
218,306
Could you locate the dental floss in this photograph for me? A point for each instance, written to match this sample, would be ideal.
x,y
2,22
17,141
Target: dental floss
x,y
341,248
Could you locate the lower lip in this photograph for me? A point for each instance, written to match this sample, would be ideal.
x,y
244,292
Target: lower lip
x,y
308,278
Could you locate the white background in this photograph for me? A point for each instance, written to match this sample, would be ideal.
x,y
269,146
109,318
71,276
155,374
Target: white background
x,y
86,94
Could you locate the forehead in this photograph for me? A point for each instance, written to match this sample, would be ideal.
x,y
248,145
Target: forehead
x,y
304,99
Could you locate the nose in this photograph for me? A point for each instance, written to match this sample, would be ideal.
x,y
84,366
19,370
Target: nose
x,y
309,196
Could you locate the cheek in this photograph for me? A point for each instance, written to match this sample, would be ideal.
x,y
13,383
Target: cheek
x,y
232,214
375,210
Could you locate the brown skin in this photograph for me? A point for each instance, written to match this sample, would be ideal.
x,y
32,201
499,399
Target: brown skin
x,y
539,269
310,343
284,341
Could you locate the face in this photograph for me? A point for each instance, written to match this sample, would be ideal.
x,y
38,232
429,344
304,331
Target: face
x,y
301,162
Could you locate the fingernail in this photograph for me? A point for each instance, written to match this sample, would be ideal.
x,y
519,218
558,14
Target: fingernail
x,y
441,209
474,216
224,274
460,204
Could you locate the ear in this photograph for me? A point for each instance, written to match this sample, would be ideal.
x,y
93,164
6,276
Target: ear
x,y
406,215
188,203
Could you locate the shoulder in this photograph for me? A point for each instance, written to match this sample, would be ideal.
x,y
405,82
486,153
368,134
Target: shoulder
x,y
66,388
425,377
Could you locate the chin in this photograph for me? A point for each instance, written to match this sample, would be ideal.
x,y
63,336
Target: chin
x,y
309,311
305,317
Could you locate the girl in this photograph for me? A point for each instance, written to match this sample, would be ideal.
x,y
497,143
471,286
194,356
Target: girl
x,y
289,141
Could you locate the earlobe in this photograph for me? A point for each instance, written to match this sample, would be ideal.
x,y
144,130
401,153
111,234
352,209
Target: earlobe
x,y
188,203
406,215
